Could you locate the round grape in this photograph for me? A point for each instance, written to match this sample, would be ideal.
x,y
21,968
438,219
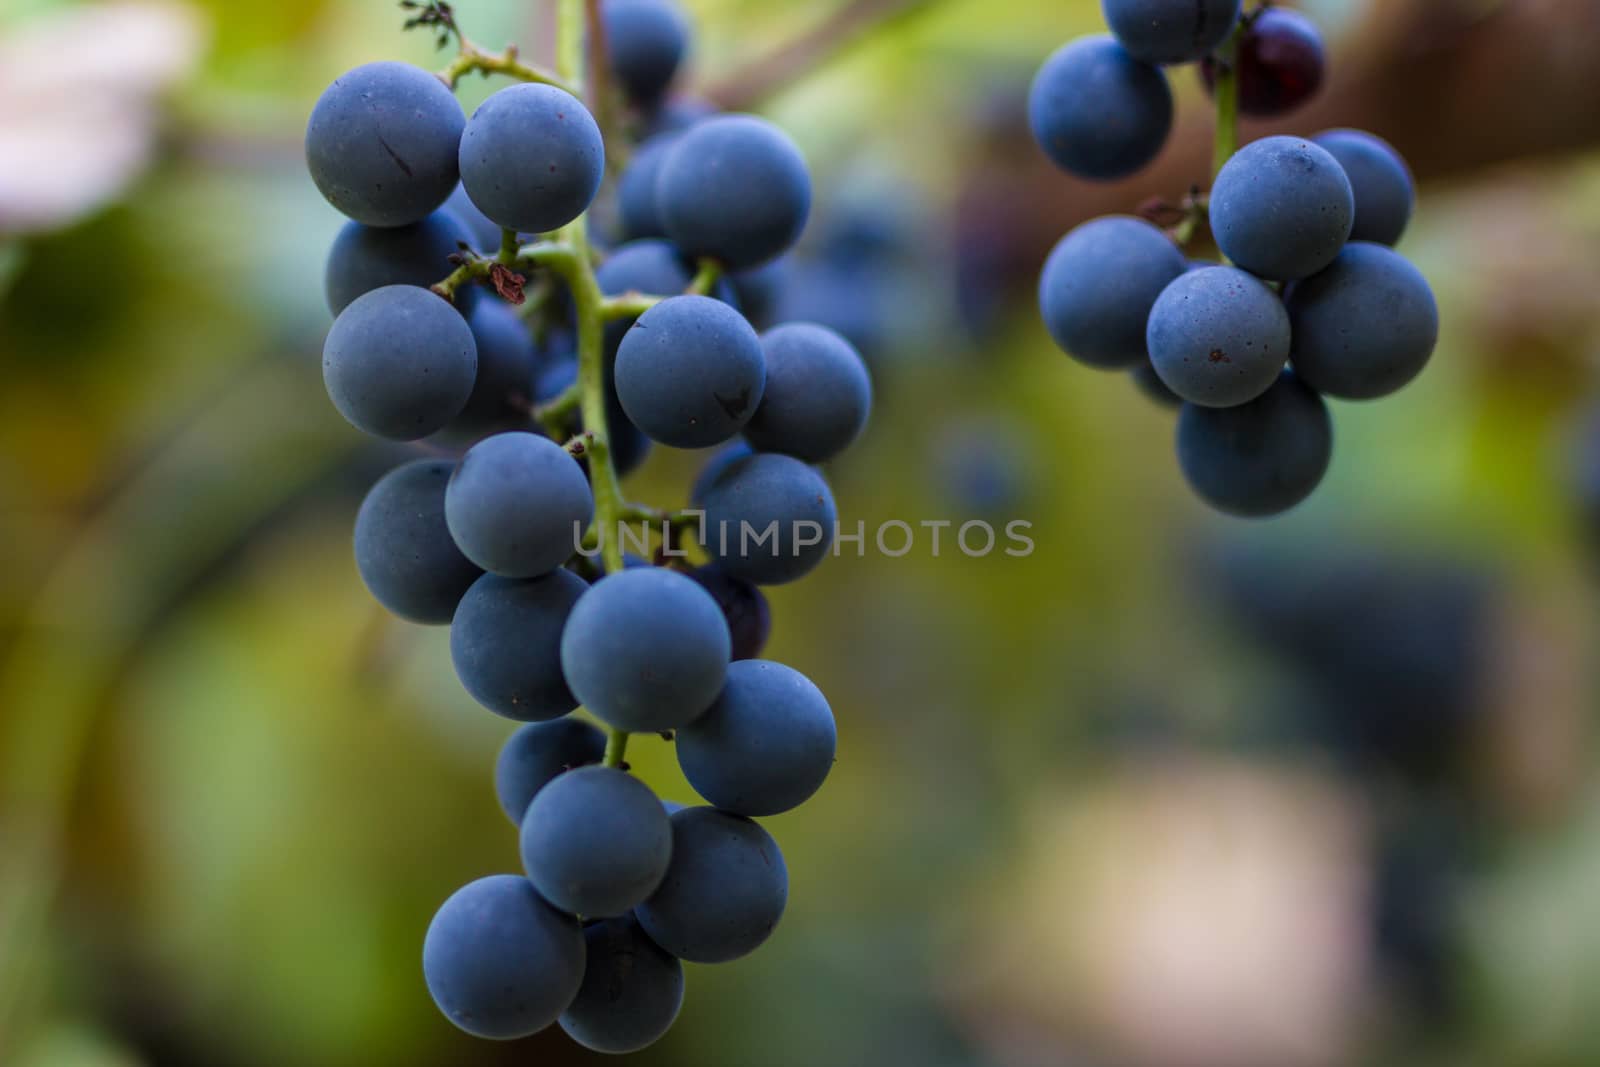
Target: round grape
x,y
675,115
1260,458
1364,327
713,467
399,362
1171,31
518,504
760,291
817,395
646,650
501,392
364,258
1098,112
769,519
1218,337
1098,287
743,605
1384,191
499,961
1280,63
734,188
636,193
647,40
532,158
690,372
1282,208
381,143
723,893
631,991
403,548
649,267
765,746
596,841
536,753
505,642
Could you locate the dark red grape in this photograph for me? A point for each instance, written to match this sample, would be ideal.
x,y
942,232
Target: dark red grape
x,y
1280,63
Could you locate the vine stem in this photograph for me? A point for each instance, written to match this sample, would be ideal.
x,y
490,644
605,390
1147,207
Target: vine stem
x,y
472,58
616,748
1226,141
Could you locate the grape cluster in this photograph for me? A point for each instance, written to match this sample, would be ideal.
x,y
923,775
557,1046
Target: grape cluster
x,y
1309,300
534,379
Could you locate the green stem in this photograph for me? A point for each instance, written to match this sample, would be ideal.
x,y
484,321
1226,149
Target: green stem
x,y
628,306
472,58
509,246
1226,92
706,279
616,747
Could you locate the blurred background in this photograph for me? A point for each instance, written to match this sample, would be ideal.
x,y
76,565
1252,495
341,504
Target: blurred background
x,y
1174,791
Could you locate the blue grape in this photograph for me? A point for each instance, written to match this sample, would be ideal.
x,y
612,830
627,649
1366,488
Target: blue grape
x,y
555,378
1260,458
1218,337
403,548
364,258
505,642
765,746
499,961
1282,208
532,158
712,469
769,519
631,991
1098,287
536,753
646,650
517,504
381,143
690,372
1097,112
743,605
647,40
1150,384
502,390
817,394
649,267
760,291
734,188
596,841
636,191
1364,327
485,234
724,892
399,362
1380,180
1171,31
675,115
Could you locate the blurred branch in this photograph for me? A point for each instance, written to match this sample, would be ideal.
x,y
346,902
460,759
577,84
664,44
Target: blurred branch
x,y
848,24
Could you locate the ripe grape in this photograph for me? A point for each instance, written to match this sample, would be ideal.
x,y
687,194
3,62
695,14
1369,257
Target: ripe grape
x,y
646,650
817,395
381,143
636,193
631,990
1098,112
766,744
760,291
502,390
769,519
1282,208
1364,327
690,372
532,158
1218,337
647,40
1260,458
403,548
647,266
399,362
1384,191
743,605
1171,31
596,841
713,467
1098,287
364,258
734,188
536,753
675,115
500,962
517,504
505,642
1279,63
724,891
